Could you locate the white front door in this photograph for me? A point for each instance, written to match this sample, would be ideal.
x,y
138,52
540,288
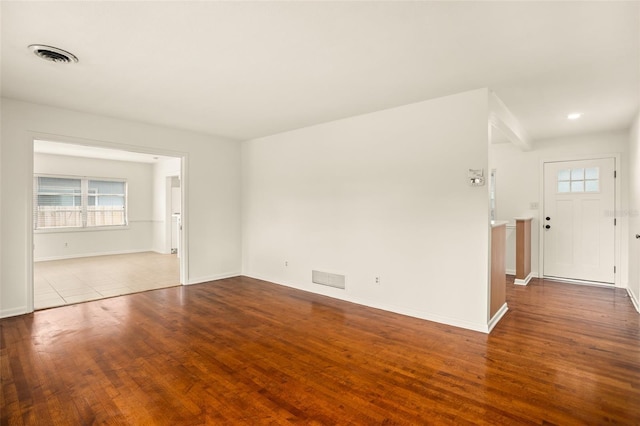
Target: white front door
x,y
578,220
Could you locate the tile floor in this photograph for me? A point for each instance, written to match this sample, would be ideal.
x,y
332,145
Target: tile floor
x,y
69,281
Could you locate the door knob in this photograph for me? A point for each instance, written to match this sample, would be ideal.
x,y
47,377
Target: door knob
x,y
547,218
638,236
547,226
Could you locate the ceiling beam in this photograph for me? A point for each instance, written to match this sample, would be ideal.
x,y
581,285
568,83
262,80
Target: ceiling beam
x,y
501,118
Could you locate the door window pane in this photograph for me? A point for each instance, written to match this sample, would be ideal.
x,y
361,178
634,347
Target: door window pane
x,y
592,173
564,187
564,174
577,174
577,186
592,185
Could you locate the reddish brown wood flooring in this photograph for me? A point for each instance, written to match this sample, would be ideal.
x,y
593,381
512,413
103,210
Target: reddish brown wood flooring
x,y
242,351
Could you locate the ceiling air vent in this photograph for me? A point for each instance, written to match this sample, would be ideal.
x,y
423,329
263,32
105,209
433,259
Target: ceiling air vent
x,y
53,54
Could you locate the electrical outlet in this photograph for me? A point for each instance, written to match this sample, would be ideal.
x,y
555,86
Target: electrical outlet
x,y
66,244
533,205
377,280
286,263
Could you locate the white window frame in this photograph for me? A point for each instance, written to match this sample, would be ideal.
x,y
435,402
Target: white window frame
x,y
84,204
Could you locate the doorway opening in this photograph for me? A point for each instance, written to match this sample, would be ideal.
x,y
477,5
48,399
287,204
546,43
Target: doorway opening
x,y
102,222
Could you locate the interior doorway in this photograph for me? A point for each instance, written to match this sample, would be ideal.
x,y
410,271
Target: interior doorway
x,y
579,221
174,213
101,221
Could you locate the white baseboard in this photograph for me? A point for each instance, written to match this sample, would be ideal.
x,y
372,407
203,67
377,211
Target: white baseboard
x,y
14,312
341,294
634,299
510,271
200,280
79,255
579,282
518,281
498,316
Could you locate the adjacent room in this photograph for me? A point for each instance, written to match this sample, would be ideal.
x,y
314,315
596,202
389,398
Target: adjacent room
x,y
106,223
339,212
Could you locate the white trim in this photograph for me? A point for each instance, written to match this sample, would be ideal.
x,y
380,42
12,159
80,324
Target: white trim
x,y
534,274
103,144
488,280
30,231
498,316
518,281
580,282
634,300
14,312
70,229
80,255
216,277
483,328
184,219
73,229
617,255
503,119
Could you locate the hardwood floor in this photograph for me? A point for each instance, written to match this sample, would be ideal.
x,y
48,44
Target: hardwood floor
x,y
250,352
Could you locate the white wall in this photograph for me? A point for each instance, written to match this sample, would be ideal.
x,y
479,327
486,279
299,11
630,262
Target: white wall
x,y
212,216
634,212
135,237
518,184
383,194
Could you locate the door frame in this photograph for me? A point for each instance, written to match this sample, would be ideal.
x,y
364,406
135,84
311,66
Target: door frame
x,y
184,185
617,245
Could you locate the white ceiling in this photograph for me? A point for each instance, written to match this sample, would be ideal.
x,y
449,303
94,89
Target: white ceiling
x,y
250,69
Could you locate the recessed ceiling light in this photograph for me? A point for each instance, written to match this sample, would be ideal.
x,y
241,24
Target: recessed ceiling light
x,y
574,115
53,54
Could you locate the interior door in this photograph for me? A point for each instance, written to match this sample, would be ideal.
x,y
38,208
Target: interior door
x,y
578,220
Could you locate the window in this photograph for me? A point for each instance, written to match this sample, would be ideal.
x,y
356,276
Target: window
x,y
106,203
59,202
579,180
70,202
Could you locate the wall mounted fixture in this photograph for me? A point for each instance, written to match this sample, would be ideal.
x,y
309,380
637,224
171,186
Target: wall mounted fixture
x,y
476,177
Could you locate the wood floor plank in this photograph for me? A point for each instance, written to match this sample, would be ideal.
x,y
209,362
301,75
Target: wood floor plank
x,y
244,351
